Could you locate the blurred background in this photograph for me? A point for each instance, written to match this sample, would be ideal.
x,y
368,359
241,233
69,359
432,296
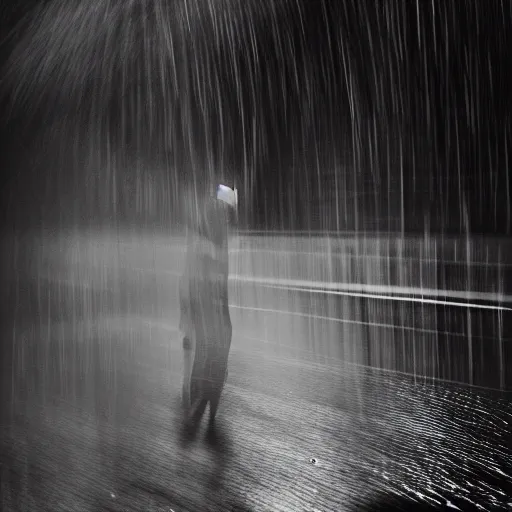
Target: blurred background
x,y
371,268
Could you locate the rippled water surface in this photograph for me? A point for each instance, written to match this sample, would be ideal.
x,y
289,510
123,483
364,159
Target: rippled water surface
x,y
91,420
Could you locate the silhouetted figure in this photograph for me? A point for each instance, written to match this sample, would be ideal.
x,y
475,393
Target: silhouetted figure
x,y
205,320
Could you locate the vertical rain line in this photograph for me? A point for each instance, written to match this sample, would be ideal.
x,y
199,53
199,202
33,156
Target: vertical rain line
x,y
468,287
336,193
402,207
437,373
507,184
470,346
501,349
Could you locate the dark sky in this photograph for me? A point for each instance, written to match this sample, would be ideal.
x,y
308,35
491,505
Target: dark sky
x,y
340,114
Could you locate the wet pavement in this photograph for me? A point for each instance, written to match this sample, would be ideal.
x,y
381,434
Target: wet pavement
x,y
91,417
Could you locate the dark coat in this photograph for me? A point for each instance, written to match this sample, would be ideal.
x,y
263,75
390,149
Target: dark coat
x,y
205,321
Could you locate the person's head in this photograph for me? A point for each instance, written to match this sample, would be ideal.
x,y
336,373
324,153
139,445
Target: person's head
x,y
211,210
227,195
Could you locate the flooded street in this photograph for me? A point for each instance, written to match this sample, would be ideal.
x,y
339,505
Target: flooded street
x,y
94,418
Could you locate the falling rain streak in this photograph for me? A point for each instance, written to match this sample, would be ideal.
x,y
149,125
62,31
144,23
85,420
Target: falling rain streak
x,y
375,116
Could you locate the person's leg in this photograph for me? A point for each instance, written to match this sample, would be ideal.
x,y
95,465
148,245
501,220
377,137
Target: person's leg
x,y
214,404
188,360
186,329
220,357
197,399
219,376
208,366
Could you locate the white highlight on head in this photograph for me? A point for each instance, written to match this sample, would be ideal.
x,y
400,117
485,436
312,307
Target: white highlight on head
x,y
227,195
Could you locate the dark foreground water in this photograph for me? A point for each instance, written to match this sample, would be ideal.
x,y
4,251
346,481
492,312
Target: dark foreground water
x,y
90,417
